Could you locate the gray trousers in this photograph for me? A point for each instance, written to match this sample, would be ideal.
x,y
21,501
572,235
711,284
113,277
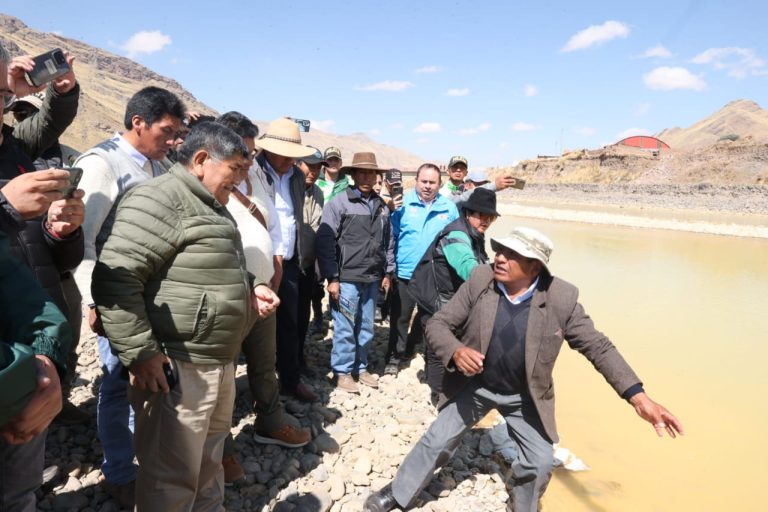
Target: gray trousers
x,y
21,472
531,470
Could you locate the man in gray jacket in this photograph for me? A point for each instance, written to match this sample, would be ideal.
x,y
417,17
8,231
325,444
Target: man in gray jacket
x,y
175,298
513,318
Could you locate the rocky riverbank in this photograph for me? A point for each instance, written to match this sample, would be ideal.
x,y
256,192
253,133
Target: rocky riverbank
x,y
740,199
359,441
738,210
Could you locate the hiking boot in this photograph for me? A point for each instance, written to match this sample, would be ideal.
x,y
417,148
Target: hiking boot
x,y
287,436
71,415
345,382
368,379
124,494
380,501
233,471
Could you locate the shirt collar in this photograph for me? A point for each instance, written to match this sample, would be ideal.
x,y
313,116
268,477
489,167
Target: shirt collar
x,y
128,148
522,298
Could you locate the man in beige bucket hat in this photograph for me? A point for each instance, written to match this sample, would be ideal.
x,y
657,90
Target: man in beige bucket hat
x,y
513,317
284,182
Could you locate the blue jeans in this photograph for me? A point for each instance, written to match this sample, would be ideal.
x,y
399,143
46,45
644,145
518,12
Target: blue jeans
x,y
114,419
351,339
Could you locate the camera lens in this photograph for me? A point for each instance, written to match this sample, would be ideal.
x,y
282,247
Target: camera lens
x,y
60,60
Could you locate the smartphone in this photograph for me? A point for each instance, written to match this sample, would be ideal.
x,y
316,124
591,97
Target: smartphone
x,y
394,178
75,173
48,66
519,183
169,376
303,124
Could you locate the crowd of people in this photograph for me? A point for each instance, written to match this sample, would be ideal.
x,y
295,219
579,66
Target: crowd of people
x,y
190,240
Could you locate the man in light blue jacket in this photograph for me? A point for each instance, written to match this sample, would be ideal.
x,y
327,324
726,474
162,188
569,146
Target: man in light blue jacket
x,y
423,215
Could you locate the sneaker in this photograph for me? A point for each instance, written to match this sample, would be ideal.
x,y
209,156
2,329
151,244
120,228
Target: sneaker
x,y
287,436
71,415
233,471
124,494
368,379
345,382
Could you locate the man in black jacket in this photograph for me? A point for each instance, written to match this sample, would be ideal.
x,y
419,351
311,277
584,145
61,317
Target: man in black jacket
x,y
356,255
44,232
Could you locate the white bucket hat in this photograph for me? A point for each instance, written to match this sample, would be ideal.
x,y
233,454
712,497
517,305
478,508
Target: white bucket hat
x,y
527,242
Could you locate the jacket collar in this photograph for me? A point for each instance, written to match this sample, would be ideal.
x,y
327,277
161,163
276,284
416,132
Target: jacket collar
x,y
194,185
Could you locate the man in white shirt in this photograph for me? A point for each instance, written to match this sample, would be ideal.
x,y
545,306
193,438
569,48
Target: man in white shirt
x,y
259,229
153,117
281,145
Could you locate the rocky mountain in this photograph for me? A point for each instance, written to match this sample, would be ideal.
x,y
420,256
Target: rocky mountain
x,y
107,82
740,119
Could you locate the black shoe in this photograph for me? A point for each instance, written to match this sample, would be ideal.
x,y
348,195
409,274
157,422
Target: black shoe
x,y
382,501
392,367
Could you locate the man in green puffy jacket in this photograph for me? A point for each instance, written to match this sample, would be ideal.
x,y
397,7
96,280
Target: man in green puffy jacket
x,y
176,301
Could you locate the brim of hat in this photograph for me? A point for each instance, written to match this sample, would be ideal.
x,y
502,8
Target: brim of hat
x,y
313,161
37,103
519,247
480,209
350,168
284,148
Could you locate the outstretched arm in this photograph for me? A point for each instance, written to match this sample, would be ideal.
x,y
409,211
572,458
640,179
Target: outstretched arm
x,y
657,415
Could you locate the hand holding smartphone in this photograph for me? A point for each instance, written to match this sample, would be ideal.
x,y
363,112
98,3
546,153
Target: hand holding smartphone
x,y
394,179
75,174
47,67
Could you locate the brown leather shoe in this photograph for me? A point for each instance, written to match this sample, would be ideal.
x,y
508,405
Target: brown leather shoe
x,y
303,393
287,435
233,471
345,382
368,379
124,494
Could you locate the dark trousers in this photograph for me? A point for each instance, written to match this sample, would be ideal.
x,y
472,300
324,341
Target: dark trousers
x,y
307,284
318,293
74,316
403,336
433,366
288,325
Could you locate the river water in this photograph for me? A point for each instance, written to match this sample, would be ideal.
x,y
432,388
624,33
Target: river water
x,y
689,312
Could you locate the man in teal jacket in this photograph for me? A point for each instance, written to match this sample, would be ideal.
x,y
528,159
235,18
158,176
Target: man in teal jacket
x,y
423,215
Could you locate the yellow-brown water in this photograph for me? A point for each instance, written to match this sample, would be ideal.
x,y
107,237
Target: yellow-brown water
x,y
690,314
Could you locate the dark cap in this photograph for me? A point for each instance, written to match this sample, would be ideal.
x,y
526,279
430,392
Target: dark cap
x,y
481,200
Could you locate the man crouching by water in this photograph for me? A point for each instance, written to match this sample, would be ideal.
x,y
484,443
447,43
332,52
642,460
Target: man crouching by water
x,y
176,301
514,317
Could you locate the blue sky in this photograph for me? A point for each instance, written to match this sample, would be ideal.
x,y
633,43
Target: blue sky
x,y
495,81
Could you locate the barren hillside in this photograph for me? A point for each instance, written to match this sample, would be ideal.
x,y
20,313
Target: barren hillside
x,y
740,118
108,80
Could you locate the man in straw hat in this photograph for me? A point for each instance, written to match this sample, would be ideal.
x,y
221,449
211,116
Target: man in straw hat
x,y
281,146
513,317
355,254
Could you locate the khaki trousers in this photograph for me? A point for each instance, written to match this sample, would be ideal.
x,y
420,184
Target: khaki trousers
x,y
179,439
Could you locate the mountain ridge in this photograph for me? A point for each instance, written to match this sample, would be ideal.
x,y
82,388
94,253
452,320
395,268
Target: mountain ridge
x,y
108,80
